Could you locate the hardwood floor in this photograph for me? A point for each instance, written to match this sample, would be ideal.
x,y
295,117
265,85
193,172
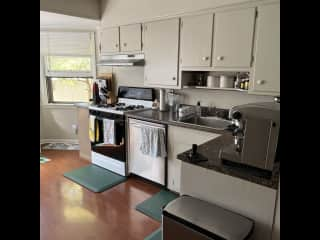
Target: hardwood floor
x,y
69,211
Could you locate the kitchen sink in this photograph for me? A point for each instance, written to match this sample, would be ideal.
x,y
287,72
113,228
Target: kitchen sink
x,y
215,122
209,121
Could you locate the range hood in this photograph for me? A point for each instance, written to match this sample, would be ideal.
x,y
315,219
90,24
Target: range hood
x,y
122,60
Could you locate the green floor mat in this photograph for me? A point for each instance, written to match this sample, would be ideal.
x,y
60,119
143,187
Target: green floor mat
x,y
152,207
95,178
44,160
156,235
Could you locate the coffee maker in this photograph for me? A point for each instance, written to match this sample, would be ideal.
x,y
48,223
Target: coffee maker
x,y
256,130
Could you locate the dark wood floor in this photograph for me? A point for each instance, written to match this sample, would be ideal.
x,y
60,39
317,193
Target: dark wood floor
x,y
69,211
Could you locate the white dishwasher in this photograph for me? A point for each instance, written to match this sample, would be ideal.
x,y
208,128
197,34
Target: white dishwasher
x,y
151,168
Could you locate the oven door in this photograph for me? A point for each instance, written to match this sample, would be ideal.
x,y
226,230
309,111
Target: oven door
x,y
109,144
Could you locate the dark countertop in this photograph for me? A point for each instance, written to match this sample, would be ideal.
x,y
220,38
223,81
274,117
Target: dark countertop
x,y
211,151
170,118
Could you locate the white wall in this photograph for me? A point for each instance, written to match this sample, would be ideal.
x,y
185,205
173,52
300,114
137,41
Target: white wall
x,y
79,8
276,225
118,12
57,123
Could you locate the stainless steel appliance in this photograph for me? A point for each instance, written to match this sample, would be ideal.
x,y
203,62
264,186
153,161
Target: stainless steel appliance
x,y
151,168
109,120
174,100
189,218
256,130
122,60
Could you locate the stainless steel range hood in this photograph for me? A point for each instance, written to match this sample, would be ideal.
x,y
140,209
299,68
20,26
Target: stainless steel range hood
x,y
122,60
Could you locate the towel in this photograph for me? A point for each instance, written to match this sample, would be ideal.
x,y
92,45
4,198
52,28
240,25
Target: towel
x,y
91,128
108,131
153,142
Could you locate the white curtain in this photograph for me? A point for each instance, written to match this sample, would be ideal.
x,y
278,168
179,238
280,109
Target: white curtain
x,y
66,43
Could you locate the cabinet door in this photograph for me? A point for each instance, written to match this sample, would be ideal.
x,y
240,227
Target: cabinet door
x,y
109,40
266,68
196,40
233,38
83,133
130,38
180,139
161,40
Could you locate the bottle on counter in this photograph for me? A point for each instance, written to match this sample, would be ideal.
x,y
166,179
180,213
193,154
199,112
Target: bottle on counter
x,y
242,85
246,84
198,109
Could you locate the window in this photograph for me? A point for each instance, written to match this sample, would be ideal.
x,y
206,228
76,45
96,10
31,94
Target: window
x,y
68,65
69,79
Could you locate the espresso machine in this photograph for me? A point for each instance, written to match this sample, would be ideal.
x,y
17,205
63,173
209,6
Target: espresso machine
x,y
255,130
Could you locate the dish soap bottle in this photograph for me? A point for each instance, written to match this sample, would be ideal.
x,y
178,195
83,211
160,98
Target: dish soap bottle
x,y
198,109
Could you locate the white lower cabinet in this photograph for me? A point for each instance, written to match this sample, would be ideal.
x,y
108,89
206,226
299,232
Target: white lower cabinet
x,y
249,199
180,139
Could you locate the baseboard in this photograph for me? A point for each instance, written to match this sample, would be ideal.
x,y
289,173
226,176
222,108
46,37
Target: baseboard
x,y
86,157
72,141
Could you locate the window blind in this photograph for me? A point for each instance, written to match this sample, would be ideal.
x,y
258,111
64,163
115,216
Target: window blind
x,y
66,43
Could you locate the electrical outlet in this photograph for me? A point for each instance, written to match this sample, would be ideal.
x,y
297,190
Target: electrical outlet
x,y
74,128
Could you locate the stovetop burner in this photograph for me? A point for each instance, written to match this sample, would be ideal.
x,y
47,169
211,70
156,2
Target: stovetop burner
x,y
120,106
129,107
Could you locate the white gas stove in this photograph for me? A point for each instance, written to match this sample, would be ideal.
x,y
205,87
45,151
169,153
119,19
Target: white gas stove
x,y
122,106
108,129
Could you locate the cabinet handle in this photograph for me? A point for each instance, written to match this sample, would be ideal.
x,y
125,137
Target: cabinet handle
x,y
260,82
174,78
205,58
220,58
125,44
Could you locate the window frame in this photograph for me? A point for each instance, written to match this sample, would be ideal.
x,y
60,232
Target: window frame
x,y
65,74
50,91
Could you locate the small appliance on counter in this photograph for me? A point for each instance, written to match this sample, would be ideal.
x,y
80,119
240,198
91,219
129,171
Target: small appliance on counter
x,y
173,100
256,130
162,103
186,111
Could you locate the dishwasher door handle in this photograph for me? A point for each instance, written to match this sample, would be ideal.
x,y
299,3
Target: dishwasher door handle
x,y
143,126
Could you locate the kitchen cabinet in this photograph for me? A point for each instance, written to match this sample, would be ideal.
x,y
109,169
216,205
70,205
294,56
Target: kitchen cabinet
x,y
130,38
243,197
109,40
266,67
196,40
180,139
161,49
233,38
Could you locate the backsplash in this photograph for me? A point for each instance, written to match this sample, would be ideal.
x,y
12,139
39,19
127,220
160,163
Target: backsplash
x,y
133,76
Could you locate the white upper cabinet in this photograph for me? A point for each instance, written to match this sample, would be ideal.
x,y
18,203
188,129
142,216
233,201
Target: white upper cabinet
x,y
109,40
266,69
130,38
196,40
233,38
161,49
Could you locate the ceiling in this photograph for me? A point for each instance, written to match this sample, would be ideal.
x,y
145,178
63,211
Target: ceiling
x,y
50,20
